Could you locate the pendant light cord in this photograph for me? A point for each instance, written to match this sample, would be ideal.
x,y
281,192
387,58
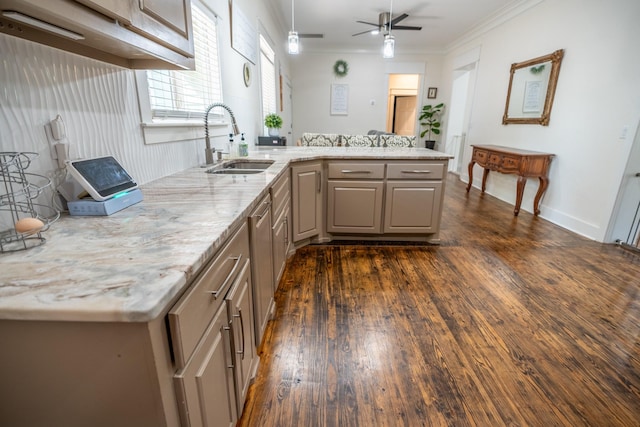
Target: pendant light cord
x,y
390,16
293,17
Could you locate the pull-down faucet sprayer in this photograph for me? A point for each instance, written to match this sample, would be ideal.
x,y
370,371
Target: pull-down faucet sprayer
x,y
208,153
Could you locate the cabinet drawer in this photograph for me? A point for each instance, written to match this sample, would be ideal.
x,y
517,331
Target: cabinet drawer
x,y
193,312
280,194
480,156
356,170
415,171
510,164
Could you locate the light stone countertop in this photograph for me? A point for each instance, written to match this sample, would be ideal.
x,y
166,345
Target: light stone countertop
x,y
129,266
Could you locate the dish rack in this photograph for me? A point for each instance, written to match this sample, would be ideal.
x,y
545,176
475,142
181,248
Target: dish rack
x,y
19,191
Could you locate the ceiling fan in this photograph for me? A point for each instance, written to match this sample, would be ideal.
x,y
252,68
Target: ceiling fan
x,y
385,23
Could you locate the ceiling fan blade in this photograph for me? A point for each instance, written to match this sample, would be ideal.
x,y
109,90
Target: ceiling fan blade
x,y
362,32
368,23
397,19
405,27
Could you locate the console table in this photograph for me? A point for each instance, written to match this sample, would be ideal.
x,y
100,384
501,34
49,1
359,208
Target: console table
x,y
524,163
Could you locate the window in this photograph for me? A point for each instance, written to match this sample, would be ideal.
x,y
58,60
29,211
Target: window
x,y
179,98
268,78
188,93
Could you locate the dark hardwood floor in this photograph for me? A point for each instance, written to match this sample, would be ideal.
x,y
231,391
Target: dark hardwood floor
x,y
511,321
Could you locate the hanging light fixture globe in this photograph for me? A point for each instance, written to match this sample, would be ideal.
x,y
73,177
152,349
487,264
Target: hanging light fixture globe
x,y
388,47
294,43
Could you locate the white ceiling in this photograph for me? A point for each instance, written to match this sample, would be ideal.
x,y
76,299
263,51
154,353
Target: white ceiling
x,y
442,21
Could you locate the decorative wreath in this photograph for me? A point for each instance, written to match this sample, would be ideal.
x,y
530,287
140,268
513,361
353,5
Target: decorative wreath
x,y
341,68
537,70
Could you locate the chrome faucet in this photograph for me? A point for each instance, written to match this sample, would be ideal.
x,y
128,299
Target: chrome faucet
x,y
208,153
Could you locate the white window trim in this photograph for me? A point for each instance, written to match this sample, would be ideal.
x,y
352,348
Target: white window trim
x,y
159,131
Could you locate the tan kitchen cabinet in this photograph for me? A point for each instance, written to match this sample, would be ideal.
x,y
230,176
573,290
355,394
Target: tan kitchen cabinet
x,y
205,387
413,197
240,311
213,336
306,198
354,197
261,265
396,200
139,34
167,22
281,225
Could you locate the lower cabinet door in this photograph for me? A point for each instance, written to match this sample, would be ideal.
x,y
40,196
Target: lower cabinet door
x,y
240,312
412,206
205,386
262,267
354,206
306,199
280,233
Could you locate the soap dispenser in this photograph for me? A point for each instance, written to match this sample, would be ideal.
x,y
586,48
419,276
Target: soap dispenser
x,y
243,148
233,152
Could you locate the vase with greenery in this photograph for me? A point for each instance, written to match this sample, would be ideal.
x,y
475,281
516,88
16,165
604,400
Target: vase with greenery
x,y
273,122
430,120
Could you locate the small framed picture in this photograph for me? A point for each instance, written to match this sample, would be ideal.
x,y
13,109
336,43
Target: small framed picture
x,y
432,92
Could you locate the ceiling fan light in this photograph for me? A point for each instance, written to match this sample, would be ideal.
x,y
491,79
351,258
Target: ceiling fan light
x,y
294,43
388,46
375,32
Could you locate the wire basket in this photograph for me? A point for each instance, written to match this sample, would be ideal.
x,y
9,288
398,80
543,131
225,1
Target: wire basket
x,y
19,192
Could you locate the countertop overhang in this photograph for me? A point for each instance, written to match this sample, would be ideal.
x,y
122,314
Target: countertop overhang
x,y
130,266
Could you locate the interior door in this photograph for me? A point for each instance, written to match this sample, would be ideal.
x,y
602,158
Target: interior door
x,y
404,116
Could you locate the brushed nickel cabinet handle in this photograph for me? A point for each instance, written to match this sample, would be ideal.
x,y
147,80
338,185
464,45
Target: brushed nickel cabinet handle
x,y
354,171
416,171
232,273
241,331
227,343
266,209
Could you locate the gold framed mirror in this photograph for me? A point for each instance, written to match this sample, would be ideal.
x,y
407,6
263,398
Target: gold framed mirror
x,y
532,86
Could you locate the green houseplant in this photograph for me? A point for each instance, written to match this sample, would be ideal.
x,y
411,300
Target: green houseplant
x,y
273,122
430,119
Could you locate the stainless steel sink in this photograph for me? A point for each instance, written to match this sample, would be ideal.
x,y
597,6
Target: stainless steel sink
x,y
247,164
241,167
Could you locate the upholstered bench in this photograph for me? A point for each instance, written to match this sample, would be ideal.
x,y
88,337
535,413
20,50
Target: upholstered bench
x,y
372,140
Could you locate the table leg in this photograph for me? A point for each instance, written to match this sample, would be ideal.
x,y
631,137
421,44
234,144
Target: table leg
x,y
544,183
471,163
485,174
522,181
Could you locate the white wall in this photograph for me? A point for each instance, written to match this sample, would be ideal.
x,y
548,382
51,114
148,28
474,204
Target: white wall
x,y
598,93
99,105
368,81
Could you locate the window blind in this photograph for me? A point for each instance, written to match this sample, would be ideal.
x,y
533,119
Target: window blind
x,y
186,94
267,77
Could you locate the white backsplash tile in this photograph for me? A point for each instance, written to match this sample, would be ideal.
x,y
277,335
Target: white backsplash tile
x,y
97,101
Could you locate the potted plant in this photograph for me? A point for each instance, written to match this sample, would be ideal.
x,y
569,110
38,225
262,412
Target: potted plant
x,y
430,119
273,122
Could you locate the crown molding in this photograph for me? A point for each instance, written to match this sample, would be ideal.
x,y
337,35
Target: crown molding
x,y
500,17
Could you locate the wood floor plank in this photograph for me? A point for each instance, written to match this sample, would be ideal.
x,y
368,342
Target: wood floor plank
x,y
511,321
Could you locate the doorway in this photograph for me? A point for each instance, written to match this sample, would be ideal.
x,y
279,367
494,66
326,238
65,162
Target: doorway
x,y
402,103
458,119
624,226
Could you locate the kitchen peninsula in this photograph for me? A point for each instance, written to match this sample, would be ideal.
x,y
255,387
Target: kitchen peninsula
x,y
97,324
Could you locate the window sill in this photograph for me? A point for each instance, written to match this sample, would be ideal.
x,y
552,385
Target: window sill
x,y
164,131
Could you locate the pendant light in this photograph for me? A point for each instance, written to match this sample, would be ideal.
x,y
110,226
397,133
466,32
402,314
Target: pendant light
x,y
388,46
294,42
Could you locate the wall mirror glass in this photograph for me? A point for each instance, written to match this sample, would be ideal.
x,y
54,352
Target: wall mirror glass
x,y
532,86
